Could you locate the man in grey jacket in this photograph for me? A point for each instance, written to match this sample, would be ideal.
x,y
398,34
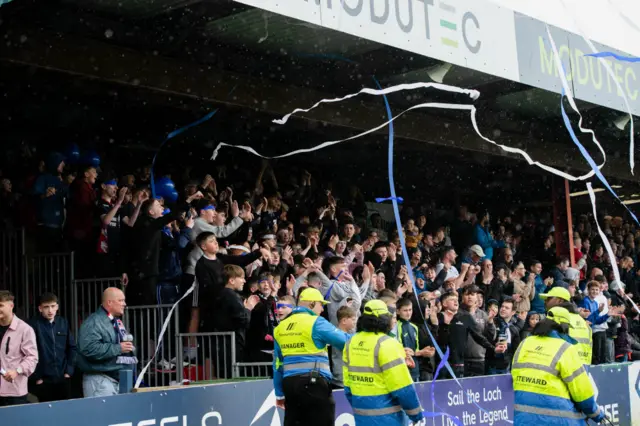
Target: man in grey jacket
x,y
102,347
474,357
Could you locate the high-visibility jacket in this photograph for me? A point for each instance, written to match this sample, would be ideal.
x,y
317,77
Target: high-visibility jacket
x,y
551,384
377,382
582,334
300,346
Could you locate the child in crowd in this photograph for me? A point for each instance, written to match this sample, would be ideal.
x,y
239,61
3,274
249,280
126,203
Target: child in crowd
x,y
231,313
410,337
532,320
285,306
347,318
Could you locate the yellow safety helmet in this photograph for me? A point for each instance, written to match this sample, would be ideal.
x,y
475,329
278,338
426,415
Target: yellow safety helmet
x,y
377,308
310,294
560,315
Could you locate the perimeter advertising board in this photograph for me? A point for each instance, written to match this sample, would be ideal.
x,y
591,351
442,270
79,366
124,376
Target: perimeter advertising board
x,y
481,401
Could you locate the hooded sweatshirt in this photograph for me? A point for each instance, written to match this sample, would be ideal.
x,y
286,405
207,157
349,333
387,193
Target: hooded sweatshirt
x,y
474,351
50,210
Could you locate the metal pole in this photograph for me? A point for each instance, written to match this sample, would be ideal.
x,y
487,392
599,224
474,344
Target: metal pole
x,y
567,198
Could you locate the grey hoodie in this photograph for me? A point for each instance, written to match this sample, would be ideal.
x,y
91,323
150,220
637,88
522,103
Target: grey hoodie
x,y
200,226
487,328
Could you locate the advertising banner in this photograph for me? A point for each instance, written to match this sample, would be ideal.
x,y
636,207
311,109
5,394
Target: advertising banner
x,y
611,383
587,76
634,392
481,401
476,34
487,36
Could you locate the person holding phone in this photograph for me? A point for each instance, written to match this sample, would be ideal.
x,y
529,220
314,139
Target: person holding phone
x,y
508,328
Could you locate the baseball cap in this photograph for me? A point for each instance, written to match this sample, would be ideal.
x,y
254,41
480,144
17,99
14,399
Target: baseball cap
x,y
559,292
376,308
310,294
111,182
572,274
559,315
477,250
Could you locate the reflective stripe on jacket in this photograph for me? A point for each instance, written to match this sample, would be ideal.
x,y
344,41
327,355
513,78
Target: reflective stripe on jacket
x,y
300,346
581,333
551,384
377,381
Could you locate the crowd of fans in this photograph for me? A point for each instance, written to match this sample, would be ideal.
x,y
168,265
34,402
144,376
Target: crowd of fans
x,y
248,244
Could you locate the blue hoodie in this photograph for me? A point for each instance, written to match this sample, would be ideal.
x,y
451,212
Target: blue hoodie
x,y
483,238
50,210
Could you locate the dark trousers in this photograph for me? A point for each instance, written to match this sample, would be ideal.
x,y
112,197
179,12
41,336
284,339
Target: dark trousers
x,y
474,368
599,347
306,403
51,391
6,401
168,291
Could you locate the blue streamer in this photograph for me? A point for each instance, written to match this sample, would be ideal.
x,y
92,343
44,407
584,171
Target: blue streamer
x,y
176,133
614,55
587,157
396,213
441,365
382,200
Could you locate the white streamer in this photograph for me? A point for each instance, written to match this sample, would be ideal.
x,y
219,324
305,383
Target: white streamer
x,y
569,94
615,80
162,332
607,245
473,94
468,107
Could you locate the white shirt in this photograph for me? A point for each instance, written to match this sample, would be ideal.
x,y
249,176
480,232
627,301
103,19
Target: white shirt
x,y
451,273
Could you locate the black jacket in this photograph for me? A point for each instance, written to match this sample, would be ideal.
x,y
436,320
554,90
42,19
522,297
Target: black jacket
x,y
229,314
455,335
145,243
56,349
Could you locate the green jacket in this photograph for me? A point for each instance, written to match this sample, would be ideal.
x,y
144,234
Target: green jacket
x,y
98,349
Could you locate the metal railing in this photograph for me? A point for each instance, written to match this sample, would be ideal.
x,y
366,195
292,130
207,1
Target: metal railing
x,y
253,370
48,273
145,324
87,296
209,356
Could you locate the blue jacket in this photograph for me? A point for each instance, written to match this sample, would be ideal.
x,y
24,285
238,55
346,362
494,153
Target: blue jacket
x,y
323,334
56,348
595,317
537,304
483,238
50,210
171,252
